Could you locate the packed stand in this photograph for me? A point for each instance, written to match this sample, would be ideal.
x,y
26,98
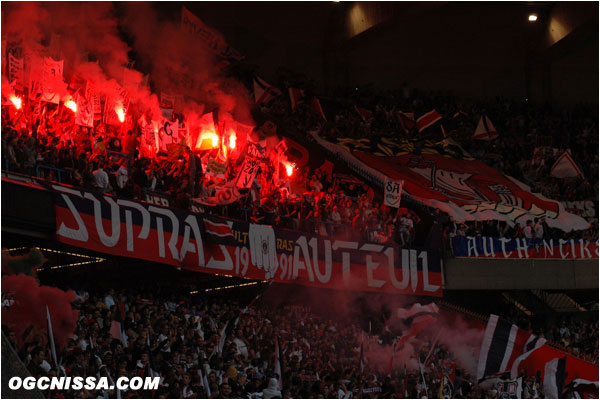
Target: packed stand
x,y
177,340
530,137
309,200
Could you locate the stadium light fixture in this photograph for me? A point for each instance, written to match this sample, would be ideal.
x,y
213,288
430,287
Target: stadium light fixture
x,y
533,17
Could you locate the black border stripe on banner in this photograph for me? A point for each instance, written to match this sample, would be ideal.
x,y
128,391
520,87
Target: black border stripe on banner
x,y
497,347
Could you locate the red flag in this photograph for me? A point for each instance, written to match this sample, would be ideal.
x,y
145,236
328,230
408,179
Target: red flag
x,y
296,96
115,330
318,109
428,119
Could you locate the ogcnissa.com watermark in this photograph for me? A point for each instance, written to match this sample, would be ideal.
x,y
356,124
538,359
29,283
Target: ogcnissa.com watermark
x,y
79,383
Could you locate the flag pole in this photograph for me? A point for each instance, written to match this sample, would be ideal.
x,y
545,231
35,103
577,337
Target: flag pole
x,y
51,337
432,347
423,376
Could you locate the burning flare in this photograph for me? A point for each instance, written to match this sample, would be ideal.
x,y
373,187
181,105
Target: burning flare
x,y
16,101
71,105
215,139
120,113
289,168
232,140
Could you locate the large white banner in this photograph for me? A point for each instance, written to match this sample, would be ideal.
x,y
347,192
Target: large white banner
x,y
91,93
85,111
52,80
16,71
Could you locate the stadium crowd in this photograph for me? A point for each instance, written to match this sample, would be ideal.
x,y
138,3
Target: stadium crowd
x,y
177,338
530,137
311,200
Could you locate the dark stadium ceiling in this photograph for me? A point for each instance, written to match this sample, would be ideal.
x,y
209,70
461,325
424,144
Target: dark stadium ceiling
x,y
296,34
292,20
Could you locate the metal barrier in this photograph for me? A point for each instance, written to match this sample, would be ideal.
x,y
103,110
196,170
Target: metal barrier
x,y
58,171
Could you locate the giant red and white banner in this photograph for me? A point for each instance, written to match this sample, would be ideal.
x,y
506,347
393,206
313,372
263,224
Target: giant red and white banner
x,y
132,229
443,176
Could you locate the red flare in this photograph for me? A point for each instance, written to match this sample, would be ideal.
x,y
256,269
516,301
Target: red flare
x,y
289,169
16,101
71,105
120,113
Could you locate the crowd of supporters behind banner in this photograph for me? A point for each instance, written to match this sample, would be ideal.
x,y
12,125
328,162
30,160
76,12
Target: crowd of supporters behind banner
x,y
310,200
530,136
177,338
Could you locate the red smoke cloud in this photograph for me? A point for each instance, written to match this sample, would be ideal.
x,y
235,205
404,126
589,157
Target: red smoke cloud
x,y
29,307
178,64
182,65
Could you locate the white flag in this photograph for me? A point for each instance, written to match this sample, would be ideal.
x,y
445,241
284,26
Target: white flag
x,y
565,167
392,192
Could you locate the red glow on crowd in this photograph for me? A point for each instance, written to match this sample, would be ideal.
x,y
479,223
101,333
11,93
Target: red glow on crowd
x,y
71,105
17,102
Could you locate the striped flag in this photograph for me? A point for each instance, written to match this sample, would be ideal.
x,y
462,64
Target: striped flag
x,y
296,97
263,91
427,120
485,129
504,347
565,167
554,377
217,229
